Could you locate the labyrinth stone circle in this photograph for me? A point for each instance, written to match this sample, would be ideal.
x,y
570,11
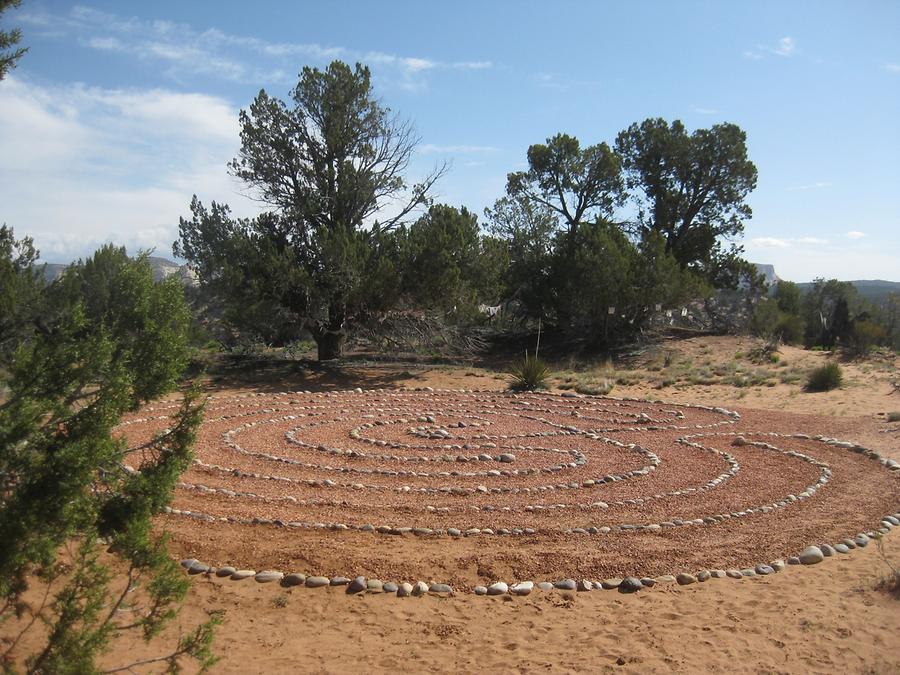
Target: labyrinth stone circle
x,y
657,479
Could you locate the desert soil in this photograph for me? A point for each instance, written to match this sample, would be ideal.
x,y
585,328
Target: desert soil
x,y
822,618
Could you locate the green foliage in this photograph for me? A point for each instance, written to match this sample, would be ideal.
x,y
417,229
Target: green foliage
x,y
21,284
865,334
446,263
108,339
825,378
770,322
691,189
328,165
529,374
8,40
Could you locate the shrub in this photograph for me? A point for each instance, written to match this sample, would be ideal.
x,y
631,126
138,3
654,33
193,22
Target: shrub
x,y
529,374
825,378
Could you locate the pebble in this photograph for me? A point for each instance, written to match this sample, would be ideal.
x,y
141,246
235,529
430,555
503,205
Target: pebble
x,y
267,576
718,574
243,574
338,581
684,579
440,588
777,565
498,588
405,590
198,567
225,571
566,585
842,548
522,588
630,585
374,586
390,587
704,575
811,555
765,570
507,458
545,586
358,585
648,582
316,582
480,590
827,551
749,572
295,579
734,574
861,540
421,588
609,584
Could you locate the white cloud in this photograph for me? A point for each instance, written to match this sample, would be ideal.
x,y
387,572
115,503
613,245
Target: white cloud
x,y
786,47
704,111
770,242
187,51
892,67
431,149
83,165
810,186
855,234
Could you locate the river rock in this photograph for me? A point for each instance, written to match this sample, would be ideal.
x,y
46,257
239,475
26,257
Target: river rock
x,y
440,589
316,582
405,590
295,579
704,575
421,588
630,585
338,581
268,576
585,585
522,588
390,587
375,586
609,584
480,590
545,586
811,555
649,582
566,585
842,548
225,571
684,579
734,574
498,588
861,540
243,574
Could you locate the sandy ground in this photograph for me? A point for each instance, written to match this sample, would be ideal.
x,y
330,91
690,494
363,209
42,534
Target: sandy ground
x,y
824,618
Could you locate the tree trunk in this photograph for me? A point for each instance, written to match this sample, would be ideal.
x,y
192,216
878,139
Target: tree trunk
x,y
330,345
330,335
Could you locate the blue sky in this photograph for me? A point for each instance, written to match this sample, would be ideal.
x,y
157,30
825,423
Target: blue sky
x,y
121,111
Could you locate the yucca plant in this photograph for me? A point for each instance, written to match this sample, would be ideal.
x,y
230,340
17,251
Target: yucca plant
x,y
531,373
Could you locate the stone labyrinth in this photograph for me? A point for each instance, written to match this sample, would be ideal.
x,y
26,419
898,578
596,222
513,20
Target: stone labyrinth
x,y
599,484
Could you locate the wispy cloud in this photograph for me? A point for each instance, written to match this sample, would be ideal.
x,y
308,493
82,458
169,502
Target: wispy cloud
x,y
810,186
431,149
785,47
87,165
704,111
770,242
187,51
892,67
775,242
855,234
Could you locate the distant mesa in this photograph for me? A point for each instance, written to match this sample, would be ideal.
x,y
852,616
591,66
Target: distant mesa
x,y
161,268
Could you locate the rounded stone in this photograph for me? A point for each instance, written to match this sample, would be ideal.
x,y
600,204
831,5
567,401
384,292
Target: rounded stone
x,y
793,560
842,548
704,575
421,588
649,582
338,581
861,540
498,588
405,590
188,562
375,586
268,576
749,572
764,570
684,579
630,585
665,579
827,551
566,585
225,571
610,584
811,555
522,588
585,585
718,574
243,574
358,585
734,574
440,589
545,586
317,582
390,587
198,567
480,590
295,579
507,458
